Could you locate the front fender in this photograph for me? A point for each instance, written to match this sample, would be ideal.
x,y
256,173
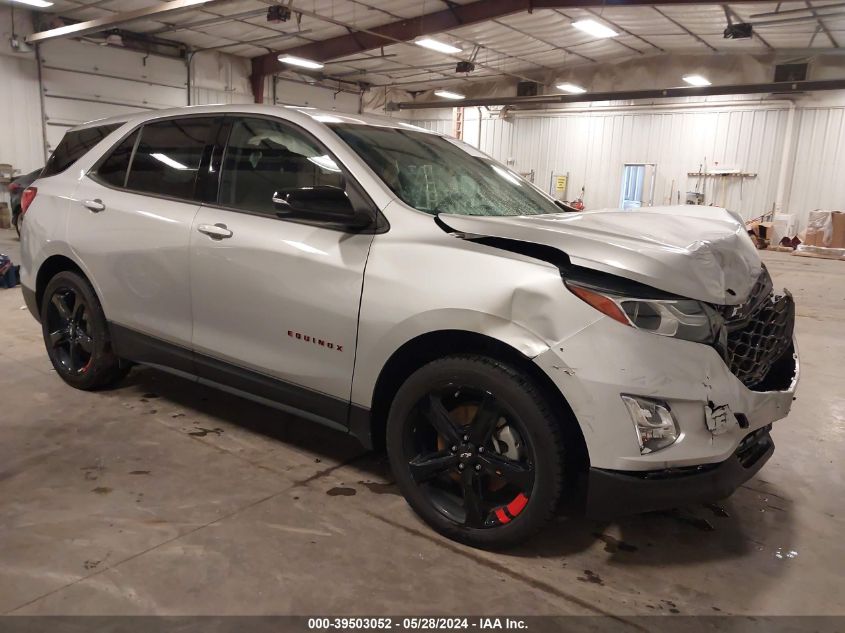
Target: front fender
x,y
370,360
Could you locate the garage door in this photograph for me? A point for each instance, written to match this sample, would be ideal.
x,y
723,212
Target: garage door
x,y
83,81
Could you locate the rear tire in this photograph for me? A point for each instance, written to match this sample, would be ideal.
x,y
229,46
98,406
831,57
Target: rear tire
x,y
17,223
76,334
476,451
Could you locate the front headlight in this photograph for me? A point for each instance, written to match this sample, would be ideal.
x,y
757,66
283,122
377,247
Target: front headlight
x,y
687,319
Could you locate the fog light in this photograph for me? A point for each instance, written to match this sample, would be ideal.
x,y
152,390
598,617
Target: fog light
x,y
655,425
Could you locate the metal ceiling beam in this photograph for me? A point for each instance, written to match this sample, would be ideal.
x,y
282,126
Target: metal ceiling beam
x,y
775,14
780,87
357,31
257,43
101,24
822,25
807,18
476,44
455,16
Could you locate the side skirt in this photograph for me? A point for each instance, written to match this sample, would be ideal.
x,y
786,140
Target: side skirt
x,y
312,405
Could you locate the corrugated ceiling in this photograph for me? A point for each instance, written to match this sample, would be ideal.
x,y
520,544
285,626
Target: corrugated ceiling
x,y
512,46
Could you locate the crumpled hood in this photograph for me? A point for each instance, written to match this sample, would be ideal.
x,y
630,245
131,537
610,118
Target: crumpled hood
x,y
697,252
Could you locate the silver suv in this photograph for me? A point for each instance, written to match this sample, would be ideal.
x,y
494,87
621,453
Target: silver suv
x,y
403,287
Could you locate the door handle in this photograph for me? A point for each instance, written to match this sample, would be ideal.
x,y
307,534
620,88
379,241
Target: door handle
x,y
215,231
95,206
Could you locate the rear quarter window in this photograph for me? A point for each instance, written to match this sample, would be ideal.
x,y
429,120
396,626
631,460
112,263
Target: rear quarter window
x,y
74,146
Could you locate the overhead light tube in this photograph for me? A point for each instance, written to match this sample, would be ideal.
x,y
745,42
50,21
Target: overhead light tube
x,y
35,3
440,47
697,80
300,61
572,89
596,29
448,94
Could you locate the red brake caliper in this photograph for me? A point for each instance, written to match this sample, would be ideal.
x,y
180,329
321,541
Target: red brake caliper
x,y
510,511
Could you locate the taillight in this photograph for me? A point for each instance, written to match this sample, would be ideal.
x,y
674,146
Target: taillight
x,y
27,197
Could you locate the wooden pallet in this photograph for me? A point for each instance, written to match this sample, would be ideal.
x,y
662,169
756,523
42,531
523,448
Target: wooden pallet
x,y
840,258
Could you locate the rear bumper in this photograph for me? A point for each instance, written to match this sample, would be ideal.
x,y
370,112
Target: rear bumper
x,y
614,493
30,301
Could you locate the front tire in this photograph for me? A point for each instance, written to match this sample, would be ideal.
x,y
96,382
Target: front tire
x,y
476,450
76,334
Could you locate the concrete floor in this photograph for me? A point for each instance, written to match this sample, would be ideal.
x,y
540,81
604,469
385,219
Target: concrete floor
x,y
165,497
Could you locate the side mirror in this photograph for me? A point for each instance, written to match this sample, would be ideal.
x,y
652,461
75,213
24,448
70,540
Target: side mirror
x,y
321,203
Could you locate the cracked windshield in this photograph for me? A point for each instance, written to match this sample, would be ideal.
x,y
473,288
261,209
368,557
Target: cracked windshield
x,y
435,175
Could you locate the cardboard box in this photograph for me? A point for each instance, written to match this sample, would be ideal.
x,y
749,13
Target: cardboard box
x,y
761,232
813,237
838,238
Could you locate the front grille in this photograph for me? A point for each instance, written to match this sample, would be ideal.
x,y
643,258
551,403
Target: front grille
x,y
759,332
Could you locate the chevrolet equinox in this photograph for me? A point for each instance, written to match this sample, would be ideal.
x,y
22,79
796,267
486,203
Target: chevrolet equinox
x,y
401,286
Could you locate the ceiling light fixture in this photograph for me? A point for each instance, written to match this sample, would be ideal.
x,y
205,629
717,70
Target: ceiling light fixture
x,y
573,89
434,45
448,94
697,80
596,29
35,3
299,61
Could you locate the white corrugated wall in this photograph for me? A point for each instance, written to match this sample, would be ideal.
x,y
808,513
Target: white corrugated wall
x,y
20,114
220,78
593,145
818,180
442,126
300,93
21,142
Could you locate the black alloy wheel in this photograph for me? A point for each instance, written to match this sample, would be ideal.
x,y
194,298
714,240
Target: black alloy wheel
x,y
476,451
68,327
455,445
76,334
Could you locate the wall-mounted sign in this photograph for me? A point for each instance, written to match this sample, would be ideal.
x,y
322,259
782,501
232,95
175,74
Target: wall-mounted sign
x,y
558,185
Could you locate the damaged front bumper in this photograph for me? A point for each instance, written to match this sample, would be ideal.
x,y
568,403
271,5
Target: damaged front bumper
x,y
723,437
613,493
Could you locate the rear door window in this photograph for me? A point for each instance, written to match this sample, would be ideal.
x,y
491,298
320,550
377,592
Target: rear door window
x,y
74,146
168,155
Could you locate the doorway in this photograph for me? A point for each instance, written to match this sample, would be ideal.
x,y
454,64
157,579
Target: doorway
x,y
638,185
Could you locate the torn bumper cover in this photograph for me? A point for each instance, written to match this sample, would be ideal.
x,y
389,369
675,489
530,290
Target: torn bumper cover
x,y
617,493
723,425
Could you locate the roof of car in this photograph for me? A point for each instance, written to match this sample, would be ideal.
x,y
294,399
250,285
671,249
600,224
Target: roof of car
x,y
291,112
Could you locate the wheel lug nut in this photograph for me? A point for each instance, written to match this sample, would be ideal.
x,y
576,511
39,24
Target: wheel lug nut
x,y
480,449
454,449
466,438
460,466
478,467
